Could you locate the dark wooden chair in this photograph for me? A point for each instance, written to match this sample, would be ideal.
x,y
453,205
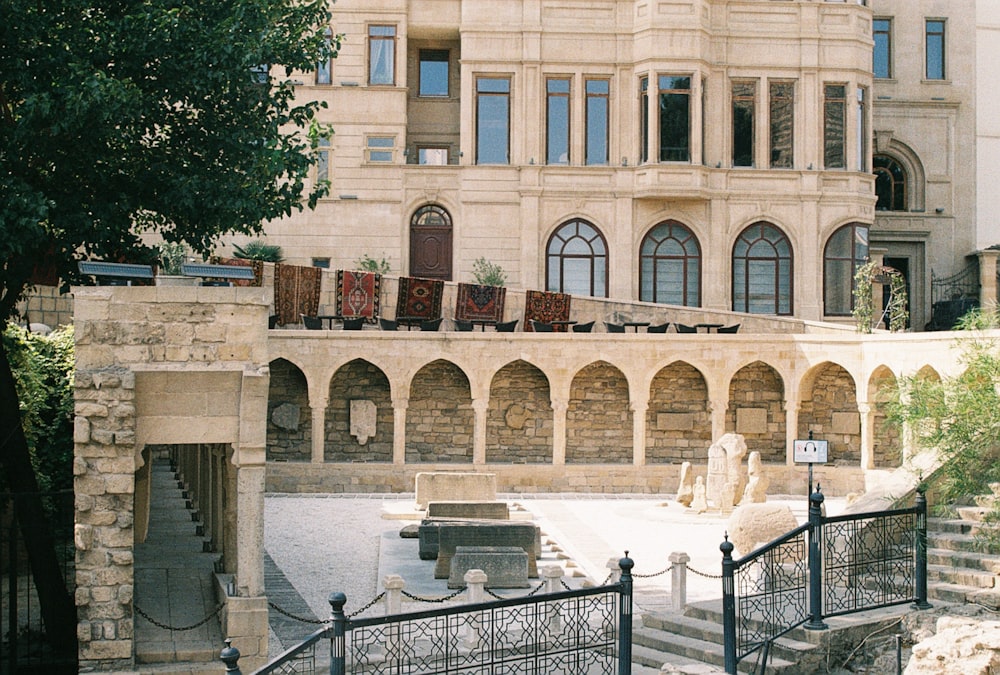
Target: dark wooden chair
x,y
464,326
541,327
735,328
659,328
614,327
583,327
354,323
683,328
431,325
507,326
312,322
387,324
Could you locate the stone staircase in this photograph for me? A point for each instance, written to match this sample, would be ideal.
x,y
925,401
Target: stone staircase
x,y
958,568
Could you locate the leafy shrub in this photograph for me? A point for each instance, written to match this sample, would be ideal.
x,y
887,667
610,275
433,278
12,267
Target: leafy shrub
x,y
259,250
488,274
171,256
368,264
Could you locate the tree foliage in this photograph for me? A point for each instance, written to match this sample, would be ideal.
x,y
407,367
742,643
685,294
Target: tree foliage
x,y
957,416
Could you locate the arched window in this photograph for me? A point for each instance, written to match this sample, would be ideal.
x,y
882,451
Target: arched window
x,y
577,260
846,250
670,266
762,271
890,184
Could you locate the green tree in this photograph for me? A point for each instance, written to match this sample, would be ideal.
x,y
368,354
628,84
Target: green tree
x,y
120,118
957,416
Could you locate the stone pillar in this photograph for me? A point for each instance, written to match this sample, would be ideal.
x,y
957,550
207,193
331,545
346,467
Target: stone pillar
x,y
399,406
639,409
988,277
719,407
481,407
318,431
867,435
559,408
678,580
394,585
791,431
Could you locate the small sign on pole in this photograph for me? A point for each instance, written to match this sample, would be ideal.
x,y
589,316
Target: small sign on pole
x,y
810,451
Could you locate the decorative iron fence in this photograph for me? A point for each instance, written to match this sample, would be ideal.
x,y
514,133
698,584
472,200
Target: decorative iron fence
x,y
827,567
24,646
584,631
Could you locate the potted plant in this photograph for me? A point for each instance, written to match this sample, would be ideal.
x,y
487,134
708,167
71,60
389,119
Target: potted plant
x,y
259,250
487,273
171,256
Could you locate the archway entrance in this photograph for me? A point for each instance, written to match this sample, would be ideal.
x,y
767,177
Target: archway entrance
x,y
431,243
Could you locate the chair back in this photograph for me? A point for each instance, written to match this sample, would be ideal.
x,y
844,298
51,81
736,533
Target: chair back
x,y
431,325
312,322
464,326
659,328
583,327
614,327
507,326
387,324
541,327
735,328
682,328
354,323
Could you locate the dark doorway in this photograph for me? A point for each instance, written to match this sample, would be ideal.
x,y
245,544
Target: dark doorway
x,y
903,265
430,243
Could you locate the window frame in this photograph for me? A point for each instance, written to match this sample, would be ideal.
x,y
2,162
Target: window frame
x,y
373,149
420,71
482,95
648,263
565,128
940,50
431,146
834,141
324,69
374,39
323,150
784,270
772,98
882,165
884,46
592,128
752,100
672,92
644,120
856,258
563,237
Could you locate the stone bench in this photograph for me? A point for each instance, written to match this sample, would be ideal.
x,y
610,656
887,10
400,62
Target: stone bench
x,y
443,486
451,535
504,566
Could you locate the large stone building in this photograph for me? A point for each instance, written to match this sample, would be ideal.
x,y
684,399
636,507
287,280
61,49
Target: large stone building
x,y
709,153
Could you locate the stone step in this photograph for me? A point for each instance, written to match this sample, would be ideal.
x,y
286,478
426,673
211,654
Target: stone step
x,y
960,576
964,559
955,593
956,526
652,661
699,650
953,542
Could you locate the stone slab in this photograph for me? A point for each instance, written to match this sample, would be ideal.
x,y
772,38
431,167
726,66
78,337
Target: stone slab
x,y
505,566
496,533
472,510
427,533
438,486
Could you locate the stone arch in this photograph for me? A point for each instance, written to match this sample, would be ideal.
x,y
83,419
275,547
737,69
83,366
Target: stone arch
x,y
887,442
829,409
909,161
358,380
678,419
289,422
519,417
440,420
598,419
756,410
928,372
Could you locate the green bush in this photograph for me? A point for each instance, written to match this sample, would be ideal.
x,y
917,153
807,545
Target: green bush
x,y
258,250
368,264
43,373
488,274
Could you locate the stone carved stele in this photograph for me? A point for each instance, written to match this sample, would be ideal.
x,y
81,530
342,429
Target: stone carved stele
x,y
363,416
286,416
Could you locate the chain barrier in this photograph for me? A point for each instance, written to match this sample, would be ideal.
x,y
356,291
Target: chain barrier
x,y
444,599
537,589
655,574
293,616
370,604
147,617
703,574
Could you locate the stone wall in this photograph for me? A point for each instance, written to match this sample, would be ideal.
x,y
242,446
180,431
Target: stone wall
x,y
45,304
358,380
598,419
519,419
678,421
439,419
756,410
289,428
830,412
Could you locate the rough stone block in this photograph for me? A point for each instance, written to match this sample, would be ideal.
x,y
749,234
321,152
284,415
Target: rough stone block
x,y
473,510
436,486
505,566
751,420
845,423
498,533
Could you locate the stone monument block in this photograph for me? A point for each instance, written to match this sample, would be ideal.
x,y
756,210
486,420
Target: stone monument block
x,y
751,420
471,510
716,475
451,535
504,566
286,416
685,490
363,416
442,486
755,524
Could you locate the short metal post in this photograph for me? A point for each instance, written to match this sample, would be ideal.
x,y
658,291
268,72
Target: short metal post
x,y
815,621
230,655
920,574
625,616
728,606
338,658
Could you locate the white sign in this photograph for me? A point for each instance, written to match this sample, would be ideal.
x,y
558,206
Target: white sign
x,y
812,452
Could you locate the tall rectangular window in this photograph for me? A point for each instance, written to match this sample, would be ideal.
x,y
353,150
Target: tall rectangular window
x,y
675,118
324,68
492,120
381,55
557,112
744,104
862,130
882,53
834,119
322,159
934,46
782,118
433,72
643,120
598,95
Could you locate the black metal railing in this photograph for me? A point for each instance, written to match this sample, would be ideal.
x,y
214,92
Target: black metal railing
x,y
24,646
827,567
586,630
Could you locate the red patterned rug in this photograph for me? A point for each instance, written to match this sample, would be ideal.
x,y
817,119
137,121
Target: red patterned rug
x,y
358,294
296,291
257,265
480,303
546,307
419,298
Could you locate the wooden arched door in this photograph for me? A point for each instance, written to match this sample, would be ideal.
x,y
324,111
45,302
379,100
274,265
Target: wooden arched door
x,y
431,243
